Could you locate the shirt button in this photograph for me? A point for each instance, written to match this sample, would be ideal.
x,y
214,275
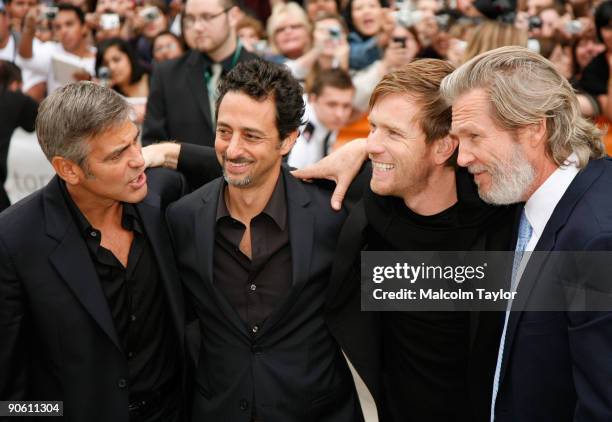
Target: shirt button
x,y
244,405
122,383
93,234
132,318
130,355
253,287
255,329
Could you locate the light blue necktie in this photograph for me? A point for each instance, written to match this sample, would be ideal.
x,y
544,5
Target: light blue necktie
x,y
524,235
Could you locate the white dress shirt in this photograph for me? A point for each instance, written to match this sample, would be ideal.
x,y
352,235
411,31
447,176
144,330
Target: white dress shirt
x,y
309,149
42,58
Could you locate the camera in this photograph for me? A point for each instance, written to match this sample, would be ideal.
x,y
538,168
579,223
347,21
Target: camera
x,y
534,22
400,40
49,12
335,33
574,27
109,21
104,74
149,14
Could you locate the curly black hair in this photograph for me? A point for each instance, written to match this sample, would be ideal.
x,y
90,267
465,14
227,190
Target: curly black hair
x,y
259,80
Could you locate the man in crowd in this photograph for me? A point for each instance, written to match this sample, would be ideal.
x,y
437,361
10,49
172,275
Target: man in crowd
x,y
91,309
183,91
328,109
255,250
73,46
8,43
521,134
17,10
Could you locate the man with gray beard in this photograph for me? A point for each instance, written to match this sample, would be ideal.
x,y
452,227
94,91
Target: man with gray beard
x,y
523,138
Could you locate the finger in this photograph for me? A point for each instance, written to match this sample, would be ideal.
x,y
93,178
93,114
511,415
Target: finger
x,y
309,173
339,194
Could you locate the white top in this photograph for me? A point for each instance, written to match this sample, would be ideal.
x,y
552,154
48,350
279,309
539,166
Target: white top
x,y
309,149
42,57
8,53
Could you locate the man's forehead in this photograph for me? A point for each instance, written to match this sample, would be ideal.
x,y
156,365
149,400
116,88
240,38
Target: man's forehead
x,y
210,6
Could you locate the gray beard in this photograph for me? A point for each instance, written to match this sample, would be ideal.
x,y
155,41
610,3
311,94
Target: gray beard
x,y
510,180
240,183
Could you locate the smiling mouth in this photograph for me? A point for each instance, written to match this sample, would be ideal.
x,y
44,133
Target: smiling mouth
x,y
382,166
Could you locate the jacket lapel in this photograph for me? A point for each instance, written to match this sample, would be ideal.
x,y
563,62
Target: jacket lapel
x,y
204,224
301,232
197,84
72,261
559,217
154,225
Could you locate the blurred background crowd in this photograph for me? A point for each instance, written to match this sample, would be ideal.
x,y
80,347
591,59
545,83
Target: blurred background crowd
x,y
166,56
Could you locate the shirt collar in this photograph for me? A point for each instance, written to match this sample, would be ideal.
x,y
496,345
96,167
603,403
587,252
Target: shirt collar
x,y
540,206
226,63
130,219
276,208
311,117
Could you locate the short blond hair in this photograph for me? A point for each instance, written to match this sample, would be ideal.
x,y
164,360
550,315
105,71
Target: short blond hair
x,y
524,88
278,13
420,80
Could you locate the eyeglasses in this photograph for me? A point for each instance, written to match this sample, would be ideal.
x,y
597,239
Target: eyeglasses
x,y
191,20
293,27
161,48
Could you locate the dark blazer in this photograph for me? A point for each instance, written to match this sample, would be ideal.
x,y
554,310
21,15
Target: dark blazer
x,y
557,365
58,337
293,369
178,106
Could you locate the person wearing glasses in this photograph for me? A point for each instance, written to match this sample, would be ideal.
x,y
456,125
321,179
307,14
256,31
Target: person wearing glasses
x,y
182,95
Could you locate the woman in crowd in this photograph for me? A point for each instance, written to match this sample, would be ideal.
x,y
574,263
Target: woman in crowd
x,y
584,50
251,32
167,46
370,27
288,32
596,75
127,76
403,48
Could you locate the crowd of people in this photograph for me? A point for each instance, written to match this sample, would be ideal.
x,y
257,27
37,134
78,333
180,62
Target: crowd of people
x,y
221,287
125,45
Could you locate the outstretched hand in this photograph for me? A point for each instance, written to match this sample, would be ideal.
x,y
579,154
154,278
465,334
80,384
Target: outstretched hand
x,y
341,166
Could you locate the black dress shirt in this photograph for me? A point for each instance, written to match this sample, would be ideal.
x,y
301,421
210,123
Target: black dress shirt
x,y
137,304
254,287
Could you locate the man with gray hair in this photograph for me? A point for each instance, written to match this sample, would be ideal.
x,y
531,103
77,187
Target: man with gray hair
x,y
523,138
91,310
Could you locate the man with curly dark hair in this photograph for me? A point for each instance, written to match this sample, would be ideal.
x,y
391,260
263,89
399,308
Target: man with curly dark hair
x,y
255,251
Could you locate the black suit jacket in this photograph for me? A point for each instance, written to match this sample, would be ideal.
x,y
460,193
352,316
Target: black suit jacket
x,y
293,369
178,107
58,337
557,365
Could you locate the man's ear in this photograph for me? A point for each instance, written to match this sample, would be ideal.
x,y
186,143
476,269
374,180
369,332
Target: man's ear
x,y
288,142
234,15
444,148
536,133
69,171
